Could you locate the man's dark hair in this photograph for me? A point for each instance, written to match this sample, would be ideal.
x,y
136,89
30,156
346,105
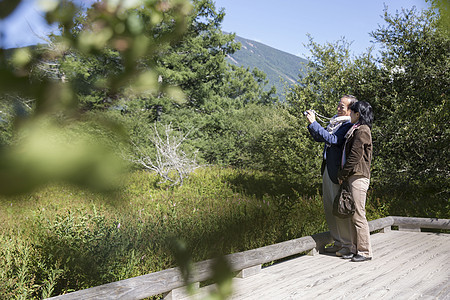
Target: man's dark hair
x,y
365,112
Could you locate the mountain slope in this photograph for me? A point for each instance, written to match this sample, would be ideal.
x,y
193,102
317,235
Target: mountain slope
x,y
278,65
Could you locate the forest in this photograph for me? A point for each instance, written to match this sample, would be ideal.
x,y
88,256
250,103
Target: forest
x,y
128,141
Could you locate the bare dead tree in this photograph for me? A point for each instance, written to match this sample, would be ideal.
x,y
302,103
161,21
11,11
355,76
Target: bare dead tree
x,y
49,64
170,162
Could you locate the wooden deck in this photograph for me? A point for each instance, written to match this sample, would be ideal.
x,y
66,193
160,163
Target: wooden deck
x,y
406,265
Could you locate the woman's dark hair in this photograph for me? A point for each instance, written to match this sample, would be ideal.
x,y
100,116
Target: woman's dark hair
x,y
365,113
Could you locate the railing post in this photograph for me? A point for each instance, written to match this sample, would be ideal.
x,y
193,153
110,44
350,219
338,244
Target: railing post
x,y
180,293
313,252
386,229
249,271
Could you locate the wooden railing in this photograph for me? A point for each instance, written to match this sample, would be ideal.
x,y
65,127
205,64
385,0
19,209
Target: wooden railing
x,y
170,282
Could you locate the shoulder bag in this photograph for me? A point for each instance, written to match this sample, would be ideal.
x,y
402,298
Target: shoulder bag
x,y
344,205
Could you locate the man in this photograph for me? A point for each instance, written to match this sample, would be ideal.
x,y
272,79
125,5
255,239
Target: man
x,y
333,137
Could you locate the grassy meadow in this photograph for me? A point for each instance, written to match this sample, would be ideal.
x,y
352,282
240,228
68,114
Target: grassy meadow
x,y
61,238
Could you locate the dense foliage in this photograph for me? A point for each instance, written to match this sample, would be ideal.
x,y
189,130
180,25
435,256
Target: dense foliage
x,y
414,111
407,85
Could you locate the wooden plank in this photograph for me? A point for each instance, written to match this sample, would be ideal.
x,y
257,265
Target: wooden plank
x,y
439,290
250,258
395,270
405,266
433,223
376,275
414,228
133,288
380,223
283,282
285,275
408,271
310,274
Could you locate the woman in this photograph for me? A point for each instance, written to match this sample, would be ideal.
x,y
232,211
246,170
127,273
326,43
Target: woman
x,y
356,159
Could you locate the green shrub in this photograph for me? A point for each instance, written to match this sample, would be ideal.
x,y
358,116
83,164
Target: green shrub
x,y
17,270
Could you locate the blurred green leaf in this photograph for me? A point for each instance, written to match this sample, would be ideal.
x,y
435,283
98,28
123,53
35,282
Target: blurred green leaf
x,y
49,143
223,277
45,152
48,5
21,57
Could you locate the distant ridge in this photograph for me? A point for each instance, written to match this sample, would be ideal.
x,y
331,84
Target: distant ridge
x,y
278,65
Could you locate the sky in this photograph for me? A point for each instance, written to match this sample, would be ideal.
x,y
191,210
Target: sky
x,y
282,24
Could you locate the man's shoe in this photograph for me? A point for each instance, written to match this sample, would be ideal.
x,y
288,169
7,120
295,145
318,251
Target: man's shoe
x,y
343,251
332,249
360,258
348,256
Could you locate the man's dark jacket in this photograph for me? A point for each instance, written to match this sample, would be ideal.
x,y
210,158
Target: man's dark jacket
x,y
334,151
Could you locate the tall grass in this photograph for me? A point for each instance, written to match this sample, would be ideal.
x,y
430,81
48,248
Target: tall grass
x,y
61,238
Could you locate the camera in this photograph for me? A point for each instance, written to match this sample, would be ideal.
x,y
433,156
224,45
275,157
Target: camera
x,y
305,113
